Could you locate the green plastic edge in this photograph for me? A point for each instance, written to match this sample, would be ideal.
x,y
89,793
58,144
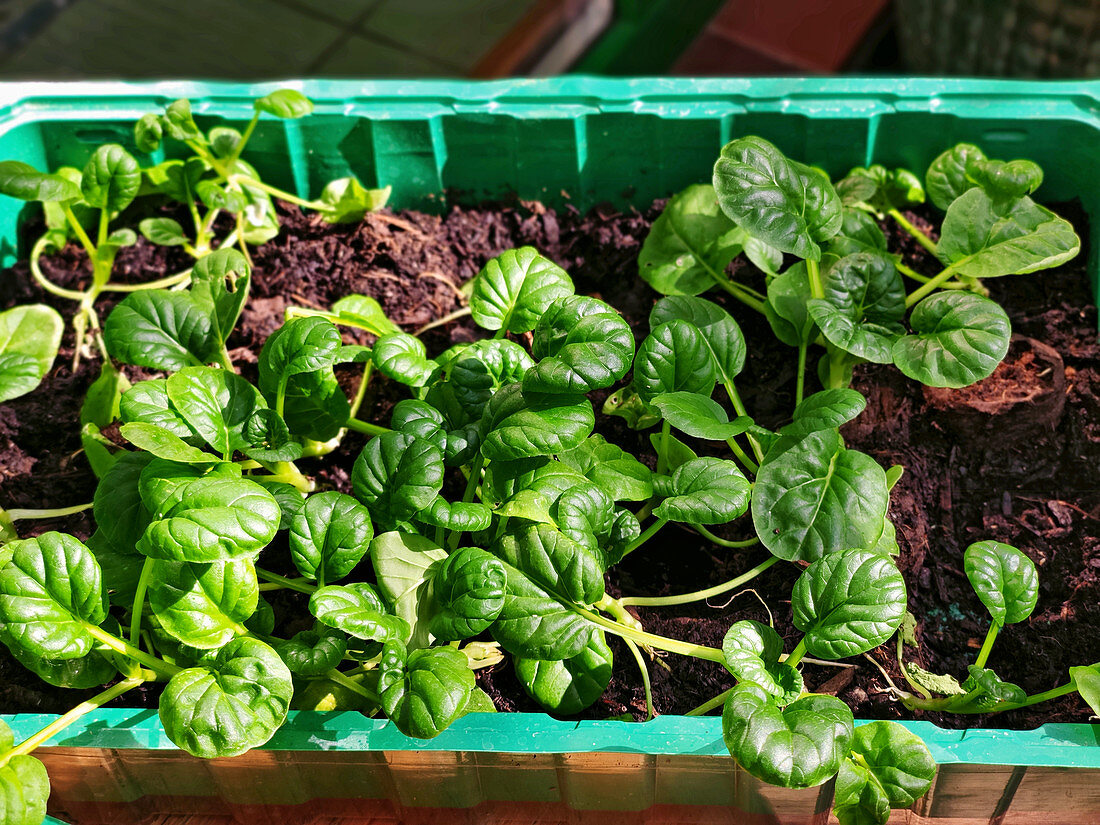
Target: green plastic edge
x,y
1056,745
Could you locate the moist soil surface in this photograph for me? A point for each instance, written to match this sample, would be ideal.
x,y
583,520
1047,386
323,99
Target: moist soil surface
x,y
965,480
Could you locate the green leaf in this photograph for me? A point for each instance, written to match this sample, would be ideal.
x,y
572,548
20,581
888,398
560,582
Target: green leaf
x,y
163,483
706,491
859,798
720,332
313,652
764,257
863,306
160,329
86,672
673,358
534,624
848,603
164,444
302,345
518,426
357,610
405,565
178,122
163,232
817,498
825,410
458,515
858,233
215,196
29,338
898,762
751,651
216,404
467,594
1087,682
958,338
946,178
111,178
224,141
404,359
787,307
1007,181
424,691
614,470
628,405
291,500
316,408
514,289
786,204
213,519
800,746
934,683
230,705
986,690
222,280
699,416
329,536
979,241
21,180
552,560
148,133
347,201
690,244
568,686
284,103
203,605
120,515
49,590
474,376
396,475
582,345
1004,578
24,788
674,451
267,438
365,312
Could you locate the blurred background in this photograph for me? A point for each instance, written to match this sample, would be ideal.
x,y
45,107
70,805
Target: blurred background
x,y
239,39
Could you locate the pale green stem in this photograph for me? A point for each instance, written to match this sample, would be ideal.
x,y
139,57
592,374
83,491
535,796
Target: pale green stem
x,y
162,283
813,272
446,319
739,408
278,193
919,236
644,669
920,292
85,241
43,281
987,645
158,666
699,595
290,584
361,391
801,378
711,654
742,456
342,680
710,704
17,513
365,427
733,545
797,654
649,532
139,601
28,745
662,458
737,292
249,129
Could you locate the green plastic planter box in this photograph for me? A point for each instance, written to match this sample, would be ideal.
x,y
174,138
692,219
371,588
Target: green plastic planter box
x,y
624,141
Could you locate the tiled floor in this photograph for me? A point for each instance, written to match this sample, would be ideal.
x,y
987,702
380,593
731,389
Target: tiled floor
x,y
261,38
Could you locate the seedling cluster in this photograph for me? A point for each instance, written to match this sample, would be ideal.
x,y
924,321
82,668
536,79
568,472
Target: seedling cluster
x,y
484,513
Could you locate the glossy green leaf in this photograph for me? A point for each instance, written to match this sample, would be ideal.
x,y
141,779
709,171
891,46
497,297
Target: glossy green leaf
x,y
751,652
1004,578
456,515
329,536
825,410
863,306
24,787
284,103
403,358
120,515
581,344
536,625
216,404
100,409
764,257
628,405
568,686
366,313
316,408
29,338
614,470
49,590
111,178
706,491
1007,181
515,288
163,483
690,244
213,519
947,178
396,475
674,357
720,332
980,241
203,605
858,233
222,280
467,594
313,652
1087,682
178,121
786,204
160,329
290,499
424,691
405,565
958,338
302,345
799,746
86,672
518,426
699,416
148,402
21,180
787,307
474,375
346,200
358,611
848,603
164,444
267,438
893,760
817,498
163,232
230,705
553,560
986,690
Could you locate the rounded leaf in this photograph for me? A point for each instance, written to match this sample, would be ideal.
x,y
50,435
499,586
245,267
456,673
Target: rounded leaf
x,y
898,760
24,790
1004,578
515,288
301,345
848,603
356,610
396,475
467,594
216,404
699,416
29,338
958,338
582,343
706,491
329,536
203,605
424,691
519,426
403,358
160,329
553,560
721,333
863,306
946,178
231,705
568,686
284,103
674,357
825,410
751,651
313,652
611,468
799,746
111,179
535,624
21,180
404,564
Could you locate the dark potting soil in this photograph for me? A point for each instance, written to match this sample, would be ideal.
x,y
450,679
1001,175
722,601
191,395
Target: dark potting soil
x,y
965,480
